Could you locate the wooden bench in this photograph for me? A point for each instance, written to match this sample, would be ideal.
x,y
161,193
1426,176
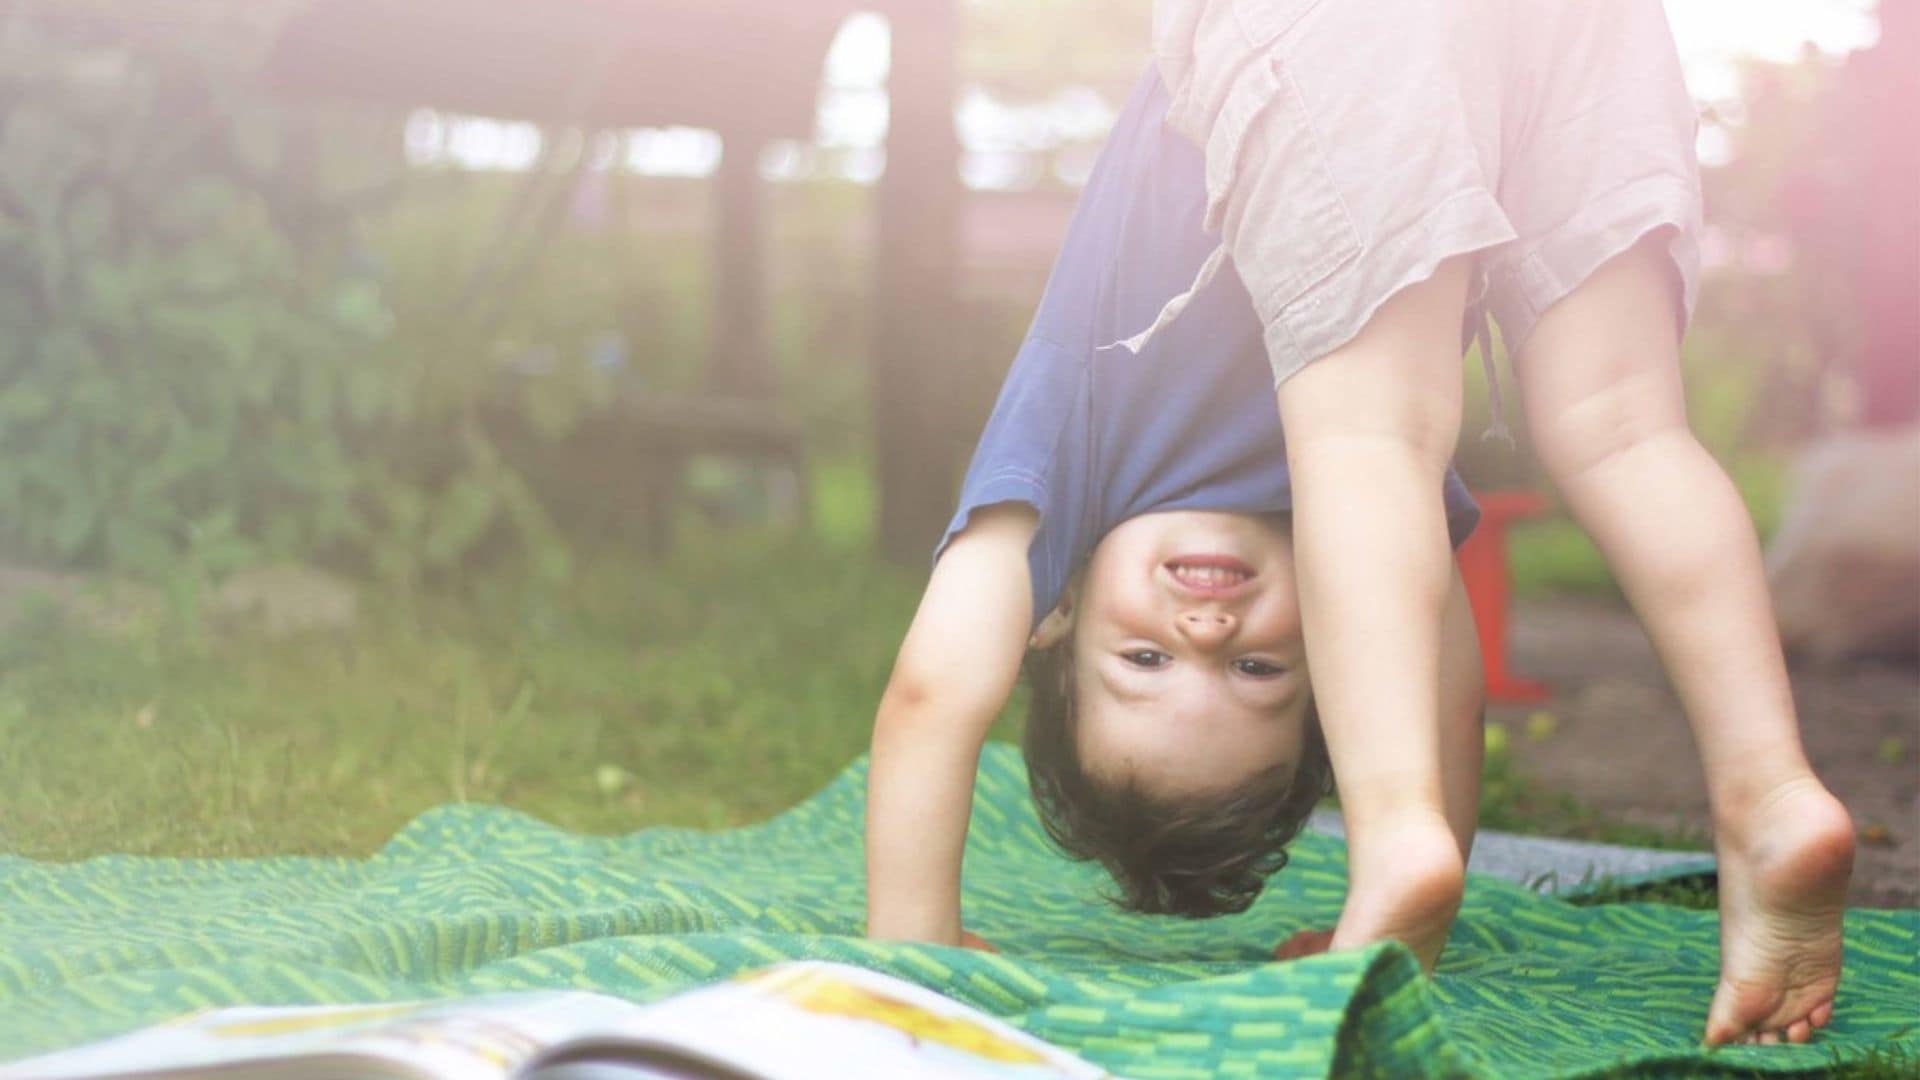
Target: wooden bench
x,y
619,473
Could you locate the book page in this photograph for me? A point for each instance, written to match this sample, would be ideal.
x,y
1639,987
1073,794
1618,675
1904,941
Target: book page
x,y
800,1021
485,1038
824,1021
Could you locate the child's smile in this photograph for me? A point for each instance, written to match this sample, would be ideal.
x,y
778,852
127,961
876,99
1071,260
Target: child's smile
x,y
1209,576
1190,667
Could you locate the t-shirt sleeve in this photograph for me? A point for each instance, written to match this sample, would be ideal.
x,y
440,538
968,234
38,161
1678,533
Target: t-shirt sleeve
x,y
1462,512
1027,455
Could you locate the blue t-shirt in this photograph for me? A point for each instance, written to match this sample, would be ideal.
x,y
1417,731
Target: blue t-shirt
x,y
1091,437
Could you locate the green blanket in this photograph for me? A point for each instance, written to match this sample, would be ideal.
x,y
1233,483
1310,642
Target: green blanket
x,y
471,899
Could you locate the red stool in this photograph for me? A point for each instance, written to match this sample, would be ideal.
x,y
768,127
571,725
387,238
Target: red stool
x,y
1483,566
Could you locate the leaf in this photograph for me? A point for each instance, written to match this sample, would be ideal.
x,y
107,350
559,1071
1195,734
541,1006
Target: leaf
x,y
369,391
138,546
359,306
109,304
25,403
460,519
1891,751
406,508
611,779
89,224
235,331
1496,738
73,524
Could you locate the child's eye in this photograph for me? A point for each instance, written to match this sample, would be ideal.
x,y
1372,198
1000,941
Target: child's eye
x,y
1146,658
1259,669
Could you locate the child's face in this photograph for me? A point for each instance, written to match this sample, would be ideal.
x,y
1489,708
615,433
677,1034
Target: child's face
x,y
1190,671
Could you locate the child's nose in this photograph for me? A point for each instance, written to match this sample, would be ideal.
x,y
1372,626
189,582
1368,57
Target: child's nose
x,y
1207,628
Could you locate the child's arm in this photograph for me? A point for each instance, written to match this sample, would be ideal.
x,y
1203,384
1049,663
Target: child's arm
x,y
954,673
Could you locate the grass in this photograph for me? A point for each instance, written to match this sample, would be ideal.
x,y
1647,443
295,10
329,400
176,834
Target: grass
x,y
710,691
1510,801
1695,892
713,689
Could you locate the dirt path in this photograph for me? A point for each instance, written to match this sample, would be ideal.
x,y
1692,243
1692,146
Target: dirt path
x,y
1621,745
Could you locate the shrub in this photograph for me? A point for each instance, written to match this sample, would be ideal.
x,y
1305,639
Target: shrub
x,y
190,376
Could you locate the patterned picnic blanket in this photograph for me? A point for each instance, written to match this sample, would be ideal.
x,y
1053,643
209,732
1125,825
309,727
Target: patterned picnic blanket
x,y
470,899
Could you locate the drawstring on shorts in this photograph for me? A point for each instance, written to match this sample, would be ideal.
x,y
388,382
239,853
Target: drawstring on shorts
x,y
1483,335
1171,311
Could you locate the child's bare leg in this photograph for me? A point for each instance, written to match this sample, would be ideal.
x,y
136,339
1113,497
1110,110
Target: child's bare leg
x,y
1600,381
1370,429
1463,704
1462,743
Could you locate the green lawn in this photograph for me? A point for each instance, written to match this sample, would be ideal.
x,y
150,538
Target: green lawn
x,y
712,689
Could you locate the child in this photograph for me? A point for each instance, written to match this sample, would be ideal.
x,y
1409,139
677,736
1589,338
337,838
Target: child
x,y
1139,503
1381,173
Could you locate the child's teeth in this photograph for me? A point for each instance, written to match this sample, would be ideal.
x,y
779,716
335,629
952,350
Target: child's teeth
x,y
1209,575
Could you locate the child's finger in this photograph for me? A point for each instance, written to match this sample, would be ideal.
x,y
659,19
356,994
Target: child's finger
x,y
971,940
1303,943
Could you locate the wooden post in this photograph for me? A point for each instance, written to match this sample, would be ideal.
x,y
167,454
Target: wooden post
x,y
918,205
741,364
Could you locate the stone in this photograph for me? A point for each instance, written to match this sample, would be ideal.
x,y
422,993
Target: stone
x,y
286,599
96,604
1844,566
22,588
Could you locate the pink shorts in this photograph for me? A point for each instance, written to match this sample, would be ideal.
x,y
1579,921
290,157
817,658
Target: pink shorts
x,y
1351,146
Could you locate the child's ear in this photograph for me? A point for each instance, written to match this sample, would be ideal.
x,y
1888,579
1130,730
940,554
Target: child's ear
x,y
1057,624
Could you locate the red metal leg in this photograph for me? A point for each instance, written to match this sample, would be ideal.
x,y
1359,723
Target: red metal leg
x,y
1483,566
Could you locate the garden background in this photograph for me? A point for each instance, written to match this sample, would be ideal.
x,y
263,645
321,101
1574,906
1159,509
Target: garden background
x,y
301,532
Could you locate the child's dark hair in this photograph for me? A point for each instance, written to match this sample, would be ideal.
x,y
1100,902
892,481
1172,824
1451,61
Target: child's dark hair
x,y
1195,857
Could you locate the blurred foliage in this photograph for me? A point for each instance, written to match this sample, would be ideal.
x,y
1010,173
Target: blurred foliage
x,y
615,297
618,292
239,330
189,381
182,322
1773,309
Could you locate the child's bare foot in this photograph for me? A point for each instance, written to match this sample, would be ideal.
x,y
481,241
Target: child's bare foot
x,y
1783,891
1405,883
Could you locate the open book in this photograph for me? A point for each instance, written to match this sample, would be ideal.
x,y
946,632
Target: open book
x,y
794,1021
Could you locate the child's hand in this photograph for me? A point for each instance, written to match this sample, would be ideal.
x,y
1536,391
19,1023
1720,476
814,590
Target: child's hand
x,y
971,941
1303,943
